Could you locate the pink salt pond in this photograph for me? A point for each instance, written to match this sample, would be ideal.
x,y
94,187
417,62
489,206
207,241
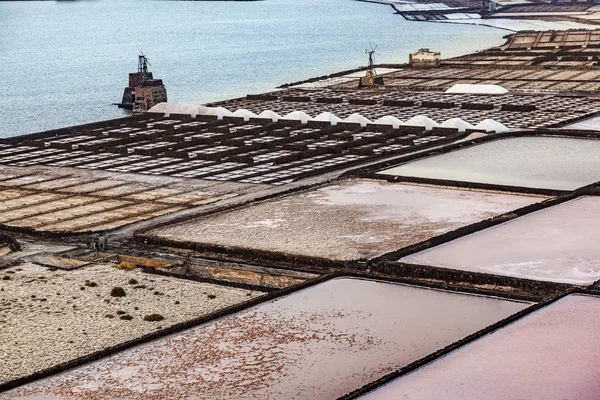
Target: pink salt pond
x,y
558,244
317,343
551,354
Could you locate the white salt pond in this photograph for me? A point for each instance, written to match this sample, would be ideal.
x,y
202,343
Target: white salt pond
x,y
349,220
318,343
536,162
551,354
558,244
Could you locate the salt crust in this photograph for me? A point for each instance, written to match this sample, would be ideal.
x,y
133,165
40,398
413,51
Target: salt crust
x,y
348,220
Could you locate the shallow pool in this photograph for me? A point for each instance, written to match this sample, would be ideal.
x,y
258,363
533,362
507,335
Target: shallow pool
x,y
317,343
551,354
535,162
558,244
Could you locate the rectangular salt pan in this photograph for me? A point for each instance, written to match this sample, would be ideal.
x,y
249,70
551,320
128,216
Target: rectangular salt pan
x,y
551,354
534,162
353,219
318,343
557,244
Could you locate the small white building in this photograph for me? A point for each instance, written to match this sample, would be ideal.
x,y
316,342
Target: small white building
x,y
423,58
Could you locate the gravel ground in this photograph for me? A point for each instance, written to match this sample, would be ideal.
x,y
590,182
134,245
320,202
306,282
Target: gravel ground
x,y
50,317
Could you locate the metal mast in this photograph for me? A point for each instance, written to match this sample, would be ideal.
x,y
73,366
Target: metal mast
x,y
143,63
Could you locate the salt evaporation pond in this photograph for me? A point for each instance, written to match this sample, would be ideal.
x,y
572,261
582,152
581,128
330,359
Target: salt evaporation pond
x,y
349,220
317,343
535,162
552,354
558,244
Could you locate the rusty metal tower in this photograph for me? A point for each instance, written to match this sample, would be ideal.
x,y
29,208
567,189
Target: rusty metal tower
x,y
143,63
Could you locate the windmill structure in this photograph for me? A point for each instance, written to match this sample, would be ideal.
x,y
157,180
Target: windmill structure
x,y
143,63
370,79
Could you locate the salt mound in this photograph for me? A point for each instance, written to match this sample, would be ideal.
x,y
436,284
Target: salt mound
x,y
422,120
358,119
220,112
489,125
389,120
268,114
169,108
474,135
328,117
242,112
457,123
298,116
477,89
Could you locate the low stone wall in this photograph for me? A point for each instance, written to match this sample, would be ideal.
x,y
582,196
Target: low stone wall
x,y
257,257
471,282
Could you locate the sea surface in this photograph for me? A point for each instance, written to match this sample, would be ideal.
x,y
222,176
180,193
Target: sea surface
x,y
64,63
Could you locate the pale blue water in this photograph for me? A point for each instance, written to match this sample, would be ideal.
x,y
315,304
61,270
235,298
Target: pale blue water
x,y
558,163
64,63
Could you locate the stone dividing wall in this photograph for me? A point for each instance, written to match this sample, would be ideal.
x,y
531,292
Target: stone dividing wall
x,y
214,268
466,185
236,272
260,257
231,273
339,74
239,285
490,284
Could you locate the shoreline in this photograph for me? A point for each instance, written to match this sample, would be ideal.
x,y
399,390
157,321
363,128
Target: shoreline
x,y
22,125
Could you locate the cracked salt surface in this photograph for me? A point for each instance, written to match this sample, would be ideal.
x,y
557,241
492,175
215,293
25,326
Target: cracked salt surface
x,y
557,244
349,220
551,354
318,343
536,162
47,319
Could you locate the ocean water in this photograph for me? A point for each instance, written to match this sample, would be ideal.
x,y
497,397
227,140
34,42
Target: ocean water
x,y
64,63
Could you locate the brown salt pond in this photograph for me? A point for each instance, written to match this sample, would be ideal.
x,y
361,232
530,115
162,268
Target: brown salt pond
x,y
317,343
558,244
551,354
538,162
353,219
